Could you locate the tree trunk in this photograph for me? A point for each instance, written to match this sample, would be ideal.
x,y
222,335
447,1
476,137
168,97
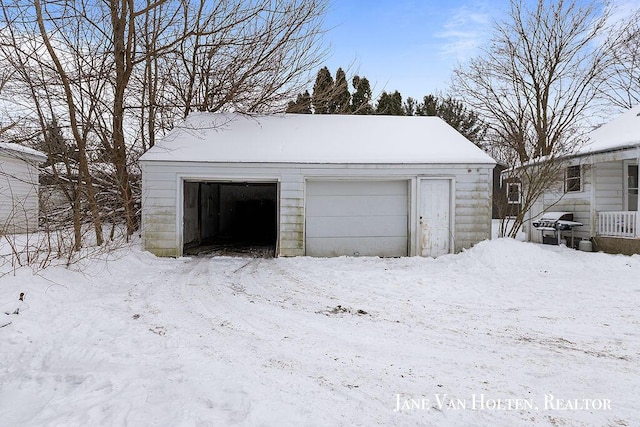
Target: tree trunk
x,y
123,26
84,177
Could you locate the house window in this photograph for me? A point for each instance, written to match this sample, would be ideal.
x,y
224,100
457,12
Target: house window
x,y
513,193
572,179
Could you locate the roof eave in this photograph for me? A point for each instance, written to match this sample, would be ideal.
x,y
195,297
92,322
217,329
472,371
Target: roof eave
x,y
606,150
489,162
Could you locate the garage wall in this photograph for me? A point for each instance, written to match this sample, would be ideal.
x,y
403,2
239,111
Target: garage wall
x,y
190,212
159,210
200,211
209,196
161,194
472,206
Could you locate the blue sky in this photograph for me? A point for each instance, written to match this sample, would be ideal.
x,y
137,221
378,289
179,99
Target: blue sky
x,y
407,45
411,45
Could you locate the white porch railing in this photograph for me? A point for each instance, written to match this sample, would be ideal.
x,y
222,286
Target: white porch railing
x,y
618,224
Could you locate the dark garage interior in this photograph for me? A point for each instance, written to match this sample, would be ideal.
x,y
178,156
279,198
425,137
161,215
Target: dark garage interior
x,y
230,218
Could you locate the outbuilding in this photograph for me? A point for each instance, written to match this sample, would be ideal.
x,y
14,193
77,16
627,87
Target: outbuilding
x,y
316,185
19,175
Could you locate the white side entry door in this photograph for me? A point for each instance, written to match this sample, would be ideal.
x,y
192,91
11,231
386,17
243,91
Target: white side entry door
x,y
434,216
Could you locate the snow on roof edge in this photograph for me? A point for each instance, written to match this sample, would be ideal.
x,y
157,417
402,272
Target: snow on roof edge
x,y
612,148
20,151
305,162
326,139
620,133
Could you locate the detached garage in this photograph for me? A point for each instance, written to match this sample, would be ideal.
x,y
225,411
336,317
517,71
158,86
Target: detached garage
x,y
316,185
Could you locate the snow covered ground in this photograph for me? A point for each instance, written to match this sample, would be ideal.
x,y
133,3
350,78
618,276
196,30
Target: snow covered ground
x,y
507,333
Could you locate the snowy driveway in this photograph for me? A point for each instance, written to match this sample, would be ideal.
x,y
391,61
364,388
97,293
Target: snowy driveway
x,y
507,333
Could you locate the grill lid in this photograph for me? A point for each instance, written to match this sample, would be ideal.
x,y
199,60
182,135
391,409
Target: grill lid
x,y
556,216
556,221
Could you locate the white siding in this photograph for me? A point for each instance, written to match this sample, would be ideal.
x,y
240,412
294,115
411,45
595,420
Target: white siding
x,y
159,213
18,195
472,213
608,197
609,186
162,197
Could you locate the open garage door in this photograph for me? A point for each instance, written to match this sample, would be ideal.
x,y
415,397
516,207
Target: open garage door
x,y
367,218
230,218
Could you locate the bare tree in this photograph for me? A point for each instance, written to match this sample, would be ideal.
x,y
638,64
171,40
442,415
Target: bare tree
x,y
522,186
116,73
248,56
621,82
534,84
84,177
5,76
36,95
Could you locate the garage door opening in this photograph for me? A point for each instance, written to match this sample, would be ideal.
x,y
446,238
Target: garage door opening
x,y
230,218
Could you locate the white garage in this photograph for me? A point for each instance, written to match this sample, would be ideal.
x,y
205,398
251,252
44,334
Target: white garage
x,y
316,185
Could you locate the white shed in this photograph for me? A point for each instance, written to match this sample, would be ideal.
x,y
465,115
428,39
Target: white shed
x,y
316,185
19,174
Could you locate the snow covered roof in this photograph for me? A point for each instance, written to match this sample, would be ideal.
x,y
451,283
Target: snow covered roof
x,y
621,132
307,138
20,151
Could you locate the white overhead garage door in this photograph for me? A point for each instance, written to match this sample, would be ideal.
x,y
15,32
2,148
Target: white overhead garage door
x,y
367,218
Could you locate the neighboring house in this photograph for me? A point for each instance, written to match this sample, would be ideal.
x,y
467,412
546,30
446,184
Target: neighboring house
x,y
316,185
19,172
600,186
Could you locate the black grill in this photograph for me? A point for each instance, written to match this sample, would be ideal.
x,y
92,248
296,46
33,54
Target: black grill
x,y
555,222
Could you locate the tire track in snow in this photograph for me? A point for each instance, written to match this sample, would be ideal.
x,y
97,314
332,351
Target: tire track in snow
x,y
212,293
255,347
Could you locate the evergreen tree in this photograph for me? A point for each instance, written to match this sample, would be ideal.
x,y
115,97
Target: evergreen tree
x,y
302,104
455,114
323,92
342,96
361,99
462,119
428,106
409,107
334,97
55,145
390,104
